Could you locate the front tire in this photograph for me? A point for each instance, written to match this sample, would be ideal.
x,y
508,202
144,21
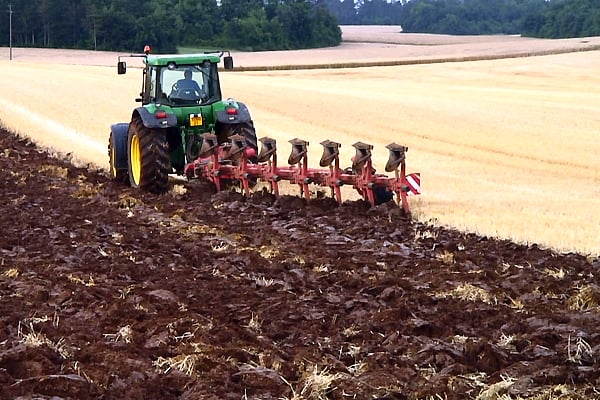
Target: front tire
x,y
148,157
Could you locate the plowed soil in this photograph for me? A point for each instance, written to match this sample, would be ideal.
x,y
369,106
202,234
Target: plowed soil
x,y
109,293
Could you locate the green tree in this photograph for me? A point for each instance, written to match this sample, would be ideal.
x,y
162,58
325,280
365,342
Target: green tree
x,y
118,26
564,19
254,32
159,29
325,30
377,12
197,21
343,10
230,9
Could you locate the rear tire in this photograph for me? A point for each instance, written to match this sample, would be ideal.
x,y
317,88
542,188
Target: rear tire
x,y
117,152
148,157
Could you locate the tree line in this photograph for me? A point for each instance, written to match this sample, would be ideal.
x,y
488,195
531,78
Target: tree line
x,y
537,18
562,19
127,25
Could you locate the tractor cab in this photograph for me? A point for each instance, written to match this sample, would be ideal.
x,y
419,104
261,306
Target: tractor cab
x,y
184,84
175,81
180,80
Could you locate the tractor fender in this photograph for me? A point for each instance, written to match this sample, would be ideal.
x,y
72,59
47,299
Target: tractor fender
x,y
119,139
243,115
151,122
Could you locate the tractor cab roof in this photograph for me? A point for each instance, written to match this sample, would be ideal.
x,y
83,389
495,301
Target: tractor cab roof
x,y
160,60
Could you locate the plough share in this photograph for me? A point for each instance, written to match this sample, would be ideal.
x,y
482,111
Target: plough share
x,y
235,161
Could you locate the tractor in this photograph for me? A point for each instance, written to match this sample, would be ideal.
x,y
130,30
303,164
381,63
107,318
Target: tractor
x,y
180,102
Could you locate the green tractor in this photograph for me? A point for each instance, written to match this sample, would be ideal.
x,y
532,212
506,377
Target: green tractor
x,y
181,101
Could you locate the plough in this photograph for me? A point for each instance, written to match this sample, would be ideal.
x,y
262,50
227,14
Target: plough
x,y
236,161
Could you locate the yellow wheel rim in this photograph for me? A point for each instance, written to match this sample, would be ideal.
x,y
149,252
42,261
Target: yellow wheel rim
x,y
136,162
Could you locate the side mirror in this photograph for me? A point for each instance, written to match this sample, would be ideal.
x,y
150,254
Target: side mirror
x,y
121,67
228,62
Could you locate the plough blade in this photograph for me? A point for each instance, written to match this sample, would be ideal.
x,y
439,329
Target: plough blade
x,y
331,152
299,150
396,156
237,148
363,154
230,162
268,148
210,144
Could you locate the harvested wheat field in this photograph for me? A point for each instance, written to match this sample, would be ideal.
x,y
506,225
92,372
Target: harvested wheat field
x,y
506,148
108,293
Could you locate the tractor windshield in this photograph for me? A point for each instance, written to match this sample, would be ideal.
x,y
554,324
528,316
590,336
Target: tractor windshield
x,y
190,84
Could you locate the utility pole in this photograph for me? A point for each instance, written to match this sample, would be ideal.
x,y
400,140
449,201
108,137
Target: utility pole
x,y
10,13
94,22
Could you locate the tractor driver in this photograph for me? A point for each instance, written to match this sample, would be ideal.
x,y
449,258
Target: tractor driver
x,y
188,84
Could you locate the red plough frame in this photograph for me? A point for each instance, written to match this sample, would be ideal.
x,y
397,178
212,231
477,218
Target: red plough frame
x,y
231,161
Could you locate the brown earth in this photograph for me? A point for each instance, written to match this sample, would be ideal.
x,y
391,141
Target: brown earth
x,y
108,293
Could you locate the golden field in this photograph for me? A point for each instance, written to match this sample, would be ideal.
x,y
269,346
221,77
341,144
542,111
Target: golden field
x,y
506,147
